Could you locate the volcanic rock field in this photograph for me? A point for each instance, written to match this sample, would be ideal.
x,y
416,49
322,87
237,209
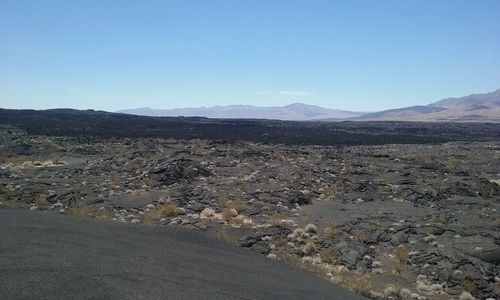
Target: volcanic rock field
x,y
388,221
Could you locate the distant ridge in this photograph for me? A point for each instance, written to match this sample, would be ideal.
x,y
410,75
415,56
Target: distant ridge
x,y
292,112
472,108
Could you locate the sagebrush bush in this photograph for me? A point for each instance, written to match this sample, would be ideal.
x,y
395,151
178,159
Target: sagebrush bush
x,y
331,228
277,217
280,240
83,211
207,213
166,210
310,248
228,214
311,228
238,205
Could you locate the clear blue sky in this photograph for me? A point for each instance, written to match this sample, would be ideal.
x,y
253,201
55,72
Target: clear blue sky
x,y
355,55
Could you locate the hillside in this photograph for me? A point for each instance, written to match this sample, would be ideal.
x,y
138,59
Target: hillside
x,y
472,108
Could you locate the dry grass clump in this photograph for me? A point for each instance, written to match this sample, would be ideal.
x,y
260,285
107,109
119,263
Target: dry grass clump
x,y
152,215
484,175
10,204
360,237
280,240
401,257
331,228
170,210
277,217
356,282
310,248
224,235
8,195
56,159
468,284
237,205
328,256
166,210
229,213
105,214
41,201
83,211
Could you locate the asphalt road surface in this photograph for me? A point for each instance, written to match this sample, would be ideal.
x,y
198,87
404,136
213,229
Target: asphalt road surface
x,y
48,256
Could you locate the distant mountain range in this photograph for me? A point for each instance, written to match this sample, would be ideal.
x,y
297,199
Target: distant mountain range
x,y
292,112
473,108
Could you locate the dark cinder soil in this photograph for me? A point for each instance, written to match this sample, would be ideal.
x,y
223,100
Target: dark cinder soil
x,y
48,256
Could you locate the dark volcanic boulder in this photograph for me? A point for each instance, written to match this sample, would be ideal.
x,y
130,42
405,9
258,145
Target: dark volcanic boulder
x,y
418,198
349,257
177,169
250,240
261,247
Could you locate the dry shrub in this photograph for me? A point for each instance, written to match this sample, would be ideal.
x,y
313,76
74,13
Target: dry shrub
x,y
360,237
167,210
8,195
310,248
311,228
41,201
484,175
401,253
468,284
277,217
83,211
10,204
331,228
56,159
115,182
228,214
280,240
170,210
222,234
401,257
356,282
105,214
329,256
148,181
238,205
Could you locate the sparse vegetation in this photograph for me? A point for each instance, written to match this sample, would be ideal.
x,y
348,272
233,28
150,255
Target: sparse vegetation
x,y
379,202
161,211
237,205
331,228
277,217
401,258
41,201
105,214
280,241
56,159
328,256
311,228
81,211
228,214
310,248
361,283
